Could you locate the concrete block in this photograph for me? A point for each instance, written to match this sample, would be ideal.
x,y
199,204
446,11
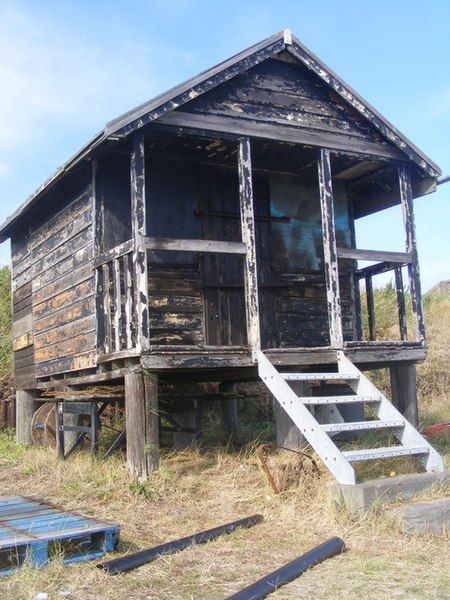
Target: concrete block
x,y
424,517
360,497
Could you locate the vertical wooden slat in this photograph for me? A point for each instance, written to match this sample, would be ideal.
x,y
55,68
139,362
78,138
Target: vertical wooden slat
x,y
128,301
106,309
411,247
138,222
329,249
248,237
355,291
401,303
370,309
117,290
98,212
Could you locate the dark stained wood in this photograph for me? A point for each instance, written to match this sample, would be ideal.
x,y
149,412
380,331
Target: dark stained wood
x,y
141,423
283,133
26,406
248,237
370,309
411,247
360,254
404,391
138,226
400,291
330,249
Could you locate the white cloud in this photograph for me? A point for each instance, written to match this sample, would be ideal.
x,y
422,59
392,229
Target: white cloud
x,y
51,74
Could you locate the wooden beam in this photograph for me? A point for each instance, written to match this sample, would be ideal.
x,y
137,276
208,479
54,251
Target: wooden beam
x,y
26,406
284,133
330,249
182,245
141,398
370,309
411,247
115,252
401,304
360,254
138,226
404,391
248,237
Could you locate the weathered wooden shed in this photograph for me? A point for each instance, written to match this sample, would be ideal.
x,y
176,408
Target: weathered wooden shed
x,y
208,235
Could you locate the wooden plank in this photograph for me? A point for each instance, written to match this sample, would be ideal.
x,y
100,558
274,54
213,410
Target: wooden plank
x,y
330,249
64,299
195,87
58,242
117,303
67,330
138,212
400,291
360,254
63,253
22,293
142,424
129,300
248,237
283,133
213,246
67,347
404,391
80,309
411,247
115,252
26,406
61,219
78,265
82,360
370,309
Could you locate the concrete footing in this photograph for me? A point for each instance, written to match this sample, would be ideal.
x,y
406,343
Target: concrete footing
x,y
419,517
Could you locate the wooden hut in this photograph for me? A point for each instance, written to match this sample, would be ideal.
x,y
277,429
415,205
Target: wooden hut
x,y
208,235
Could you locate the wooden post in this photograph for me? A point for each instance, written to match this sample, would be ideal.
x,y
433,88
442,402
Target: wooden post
x,y
26,406
142,423
138,225
185,414
228,412
404,391
370,309
406,199
248,237
288,434
401,304
330,249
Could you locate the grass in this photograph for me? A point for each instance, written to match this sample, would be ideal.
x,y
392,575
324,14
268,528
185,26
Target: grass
x,y
196,490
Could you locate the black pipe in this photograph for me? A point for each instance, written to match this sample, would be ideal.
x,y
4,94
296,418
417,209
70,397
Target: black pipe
x,y
133,561
271,582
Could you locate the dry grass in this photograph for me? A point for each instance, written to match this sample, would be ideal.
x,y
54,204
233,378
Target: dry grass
x,y
195,491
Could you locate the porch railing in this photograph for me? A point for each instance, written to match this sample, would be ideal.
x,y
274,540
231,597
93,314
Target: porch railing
x,y
389,261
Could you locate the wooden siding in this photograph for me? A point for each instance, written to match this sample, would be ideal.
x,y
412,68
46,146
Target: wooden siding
x,y
53,284
285,93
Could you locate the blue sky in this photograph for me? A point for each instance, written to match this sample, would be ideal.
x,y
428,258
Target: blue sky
x,y
67,67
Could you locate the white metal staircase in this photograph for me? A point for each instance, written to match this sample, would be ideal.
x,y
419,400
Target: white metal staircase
x,y
362,391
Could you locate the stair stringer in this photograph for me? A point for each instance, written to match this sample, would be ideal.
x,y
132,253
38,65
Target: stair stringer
x,y
407,435
325,448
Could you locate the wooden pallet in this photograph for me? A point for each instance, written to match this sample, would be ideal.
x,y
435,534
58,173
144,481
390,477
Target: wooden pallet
x,y
33,530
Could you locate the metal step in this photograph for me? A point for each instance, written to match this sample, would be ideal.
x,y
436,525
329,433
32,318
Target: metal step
x,y
362,426
351,399
320,376
389,452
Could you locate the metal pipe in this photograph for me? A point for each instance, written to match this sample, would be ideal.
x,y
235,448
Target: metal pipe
x,y
443,179
133,561
271,582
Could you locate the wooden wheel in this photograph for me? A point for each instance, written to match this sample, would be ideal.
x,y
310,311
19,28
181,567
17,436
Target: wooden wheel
x,y
43,428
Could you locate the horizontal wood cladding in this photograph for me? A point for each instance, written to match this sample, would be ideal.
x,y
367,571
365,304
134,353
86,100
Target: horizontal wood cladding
x,y
175,305
53,288
283,93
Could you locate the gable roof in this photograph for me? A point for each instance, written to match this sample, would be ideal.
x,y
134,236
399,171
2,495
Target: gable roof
x,y
192,88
